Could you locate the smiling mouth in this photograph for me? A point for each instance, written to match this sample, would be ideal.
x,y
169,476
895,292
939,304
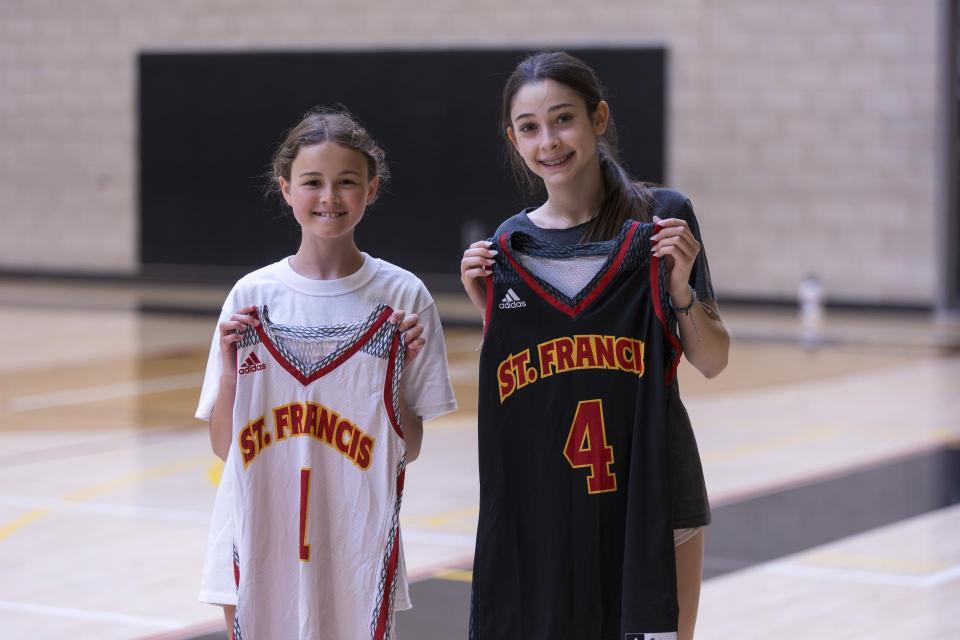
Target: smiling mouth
x,y
558,162
329,214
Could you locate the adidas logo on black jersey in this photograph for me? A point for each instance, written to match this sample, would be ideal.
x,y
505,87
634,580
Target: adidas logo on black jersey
x,y
251,364
512,301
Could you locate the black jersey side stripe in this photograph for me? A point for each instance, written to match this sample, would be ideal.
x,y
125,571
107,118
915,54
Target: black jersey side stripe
x,y
672,340
486,317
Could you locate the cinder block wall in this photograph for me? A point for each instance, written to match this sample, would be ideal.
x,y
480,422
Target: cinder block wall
x,y
805,133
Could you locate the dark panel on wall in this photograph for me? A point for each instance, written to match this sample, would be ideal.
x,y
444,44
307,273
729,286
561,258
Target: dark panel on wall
x,y
209,123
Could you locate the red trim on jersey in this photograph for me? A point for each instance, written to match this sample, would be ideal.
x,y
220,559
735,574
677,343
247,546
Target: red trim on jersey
x,y
605,279
661,316
385,608
392,411
330,366
486,316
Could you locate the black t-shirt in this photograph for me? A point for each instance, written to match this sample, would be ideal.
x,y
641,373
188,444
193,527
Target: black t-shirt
x,y
690,505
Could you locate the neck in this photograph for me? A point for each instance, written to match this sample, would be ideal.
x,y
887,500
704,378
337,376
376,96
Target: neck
x,y
327,259
577,201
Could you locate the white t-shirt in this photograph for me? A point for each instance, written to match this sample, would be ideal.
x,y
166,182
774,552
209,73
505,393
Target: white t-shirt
x,y
296,300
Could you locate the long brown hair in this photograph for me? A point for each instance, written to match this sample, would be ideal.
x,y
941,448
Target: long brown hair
x,y
623,198
322,124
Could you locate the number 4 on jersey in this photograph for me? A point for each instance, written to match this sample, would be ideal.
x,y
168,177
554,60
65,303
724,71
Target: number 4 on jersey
x,y
587,447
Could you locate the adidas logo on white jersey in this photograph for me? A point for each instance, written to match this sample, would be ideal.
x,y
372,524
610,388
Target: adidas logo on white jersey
x,y
251,364
512,301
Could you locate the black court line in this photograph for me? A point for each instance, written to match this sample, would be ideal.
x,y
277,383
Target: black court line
x,y
751,531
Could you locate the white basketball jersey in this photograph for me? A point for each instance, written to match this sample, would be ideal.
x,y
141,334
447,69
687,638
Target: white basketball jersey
x,y
317,460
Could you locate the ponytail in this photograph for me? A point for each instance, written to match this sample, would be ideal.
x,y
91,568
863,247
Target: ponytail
x,y
623,199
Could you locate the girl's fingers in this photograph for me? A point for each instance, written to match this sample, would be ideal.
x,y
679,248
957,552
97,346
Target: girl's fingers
x,y
233,325
670,222
413,348
410,323
477,272
468,263
689,244
412,334
245,319
680,229
675,254
479,253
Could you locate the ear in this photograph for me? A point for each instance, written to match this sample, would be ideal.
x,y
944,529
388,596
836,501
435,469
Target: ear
x,y
285,190
373,189
512,136
600,117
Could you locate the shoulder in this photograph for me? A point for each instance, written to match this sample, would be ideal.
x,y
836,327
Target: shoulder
x,y
400,288
516,222
670,203
263,274
253,283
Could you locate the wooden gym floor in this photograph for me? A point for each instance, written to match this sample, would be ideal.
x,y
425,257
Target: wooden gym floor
x,y
833,472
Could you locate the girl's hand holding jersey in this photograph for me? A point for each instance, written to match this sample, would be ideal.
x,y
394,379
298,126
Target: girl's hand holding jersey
x,y
474,267
675,243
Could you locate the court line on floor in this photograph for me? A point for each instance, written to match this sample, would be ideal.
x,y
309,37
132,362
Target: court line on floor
x,y
442,518
805,437
129,479
428,572
104,508
939,437
141,438
85,614
864,577
99,393
456,540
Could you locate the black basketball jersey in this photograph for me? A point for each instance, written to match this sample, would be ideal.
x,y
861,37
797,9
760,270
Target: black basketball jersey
x,y
574,538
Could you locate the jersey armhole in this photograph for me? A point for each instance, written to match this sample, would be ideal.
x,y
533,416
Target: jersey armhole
x,y
672,340
489,311
391,383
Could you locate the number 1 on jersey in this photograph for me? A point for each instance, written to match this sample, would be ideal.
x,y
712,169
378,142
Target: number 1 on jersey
x,y
304,512
587,447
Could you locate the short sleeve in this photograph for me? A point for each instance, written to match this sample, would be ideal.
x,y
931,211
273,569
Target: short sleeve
x,y
211,376
700,274
668,203
426,382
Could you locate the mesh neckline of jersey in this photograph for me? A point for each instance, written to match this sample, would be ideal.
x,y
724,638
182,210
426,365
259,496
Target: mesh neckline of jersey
x,y
359,334
521,242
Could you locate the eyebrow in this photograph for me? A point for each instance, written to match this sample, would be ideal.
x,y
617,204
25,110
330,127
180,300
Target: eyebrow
x,y
320,173
565,105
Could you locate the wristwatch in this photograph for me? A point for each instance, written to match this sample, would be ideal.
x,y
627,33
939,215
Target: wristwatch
x,y
684,310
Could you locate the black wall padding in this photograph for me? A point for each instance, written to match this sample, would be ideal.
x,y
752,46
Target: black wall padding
x,y
209,123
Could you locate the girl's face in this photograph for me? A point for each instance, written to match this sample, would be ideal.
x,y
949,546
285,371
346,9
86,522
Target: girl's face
x,y
328,189
552,131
